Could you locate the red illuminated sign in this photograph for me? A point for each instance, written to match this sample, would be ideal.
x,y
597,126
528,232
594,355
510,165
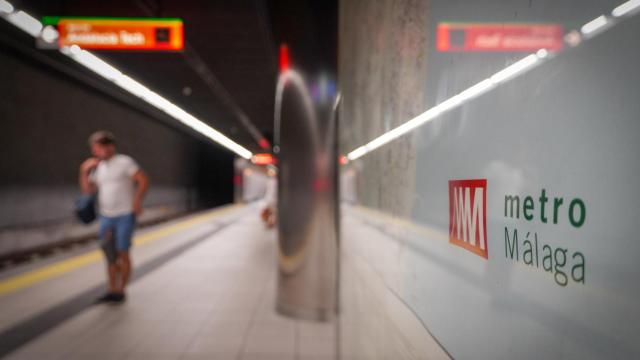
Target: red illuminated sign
x,y
263,159
458,37
284,58
468,215
141,34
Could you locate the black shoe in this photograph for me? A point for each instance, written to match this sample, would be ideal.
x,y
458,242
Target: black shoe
x,y
108,297
118,297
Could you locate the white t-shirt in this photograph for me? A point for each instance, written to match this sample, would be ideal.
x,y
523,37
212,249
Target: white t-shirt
x,y
116,188
271,192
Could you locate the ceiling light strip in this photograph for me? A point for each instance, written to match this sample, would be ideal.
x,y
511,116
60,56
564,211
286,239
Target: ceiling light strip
x,y
451,103
33,27
626,8
512,71
594,25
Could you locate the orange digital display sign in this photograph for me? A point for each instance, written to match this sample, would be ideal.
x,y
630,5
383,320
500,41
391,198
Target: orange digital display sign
x,y
475,37
142,34
264,159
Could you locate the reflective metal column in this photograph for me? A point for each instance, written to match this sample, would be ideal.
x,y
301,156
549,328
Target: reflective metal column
x,y
308,242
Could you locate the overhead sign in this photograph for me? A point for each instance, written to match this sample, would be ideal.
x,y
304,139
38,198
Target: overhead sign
x,y
141,34
264,159
474,37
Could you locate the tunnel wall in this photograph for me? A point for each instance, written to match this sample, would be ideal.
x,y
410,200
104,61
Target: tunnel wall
x,y
567,130
46,119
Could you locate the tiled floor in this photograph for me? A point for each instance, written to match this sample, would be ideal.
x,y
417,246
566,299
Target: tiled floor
x,y
215,301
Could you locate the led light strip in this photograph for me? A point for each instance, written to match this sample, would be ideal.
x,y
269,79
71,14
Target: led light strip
x,y
33,27
588,30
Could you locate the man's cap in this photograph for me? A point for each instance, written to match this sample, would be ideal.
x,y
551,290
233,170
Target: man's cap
x,y
102,137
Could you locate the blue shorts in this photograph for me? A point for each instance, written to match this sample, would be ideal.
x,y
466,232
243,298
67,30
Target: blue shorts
x,y
120,227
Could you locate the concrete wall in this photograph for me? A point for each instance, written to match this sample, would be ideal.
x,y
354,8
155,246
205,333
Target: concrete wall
x,y
410,288
382,72
382,69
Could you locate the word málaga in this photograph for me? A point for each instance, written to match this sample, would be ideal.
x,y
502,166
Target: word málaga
x,y
566,265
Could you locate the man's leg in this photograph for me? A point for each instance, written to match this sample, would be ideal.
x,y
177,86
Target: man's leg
x,y
108,248
107,243
112,271
124,233
124,263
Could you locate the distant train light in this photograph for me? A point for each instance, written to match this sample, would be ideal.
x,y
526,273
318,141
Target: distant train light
x,y
473,37
139,34
284,58
264,159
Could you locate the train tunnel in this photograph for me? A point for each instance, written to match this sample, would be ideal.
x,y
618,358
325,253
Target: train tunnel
x,y
342,179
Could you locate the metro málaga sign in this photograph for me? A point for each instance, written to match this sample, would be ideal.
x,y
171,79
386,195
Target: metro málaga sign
x,y
141,34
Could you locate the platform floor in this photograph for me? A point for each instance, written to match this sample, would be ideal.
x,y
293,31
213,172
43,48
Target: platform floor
x,y
204,289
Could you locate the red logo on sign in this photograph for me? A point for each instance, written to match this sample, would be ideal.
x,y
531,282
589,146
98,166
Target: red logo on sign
x,y
467,215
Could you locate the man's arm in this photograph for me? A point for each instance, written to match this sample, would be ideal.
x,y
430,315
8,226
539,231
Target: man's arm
x,y
86,186
142,182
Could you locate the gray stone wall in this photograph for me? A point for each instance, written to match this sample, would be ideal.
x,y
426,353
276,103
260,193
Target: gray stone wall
x,y
382,74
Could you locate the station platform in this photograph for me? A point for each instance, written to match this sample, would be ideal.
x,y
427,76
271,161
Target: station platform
x,y
203,287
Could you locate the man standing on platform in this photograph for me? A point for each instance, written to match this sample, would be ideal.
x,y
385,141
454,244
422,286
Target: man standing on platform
x,y
121,186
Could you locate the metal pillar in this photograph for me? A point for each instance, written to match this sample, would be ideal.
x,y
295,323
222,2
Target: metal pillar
x,y
307,202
